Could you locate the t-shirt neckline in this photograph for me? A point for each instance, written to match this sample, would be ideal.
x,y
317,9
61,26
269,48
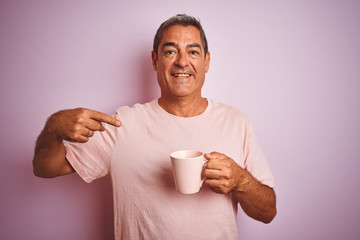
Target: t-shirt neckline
x,y
163,112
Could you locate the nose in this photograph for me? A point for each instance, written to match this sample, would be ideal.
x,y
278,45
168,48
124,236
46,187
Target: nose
x,y
182,59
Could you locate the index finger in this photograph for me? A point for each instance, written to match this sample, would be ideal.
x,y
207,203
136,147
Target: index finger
x,y
103,117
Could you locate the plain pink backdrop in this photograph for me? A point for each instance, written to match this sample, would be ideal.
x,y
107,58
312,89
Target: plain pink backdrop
x,y
292,66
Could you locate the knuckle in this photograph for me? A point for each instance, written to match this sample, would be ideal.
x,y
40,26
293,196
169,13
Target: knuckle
x,y
74,136
82,111
78,119
227,175
227,185
76,128
225,191
224,187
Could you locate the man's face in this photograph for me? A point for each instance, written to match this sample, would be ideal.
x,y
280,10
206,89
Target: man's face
x,y
181,63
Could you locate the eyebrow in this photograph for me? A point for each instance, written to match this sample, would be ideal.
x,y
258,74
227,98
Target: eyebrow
x,y
194,45
172,44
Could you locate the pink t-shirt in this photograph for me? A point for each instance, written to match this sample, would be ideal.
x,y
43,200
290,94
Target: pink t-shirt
x,y
136,155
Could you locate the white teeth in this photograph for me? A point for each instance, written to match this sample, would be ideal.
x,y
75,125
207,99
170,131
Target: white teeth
x,y
181,75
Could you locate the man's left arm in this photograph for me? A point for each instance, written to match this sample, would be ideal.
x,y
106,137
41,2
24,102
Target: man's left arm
x,y
224,175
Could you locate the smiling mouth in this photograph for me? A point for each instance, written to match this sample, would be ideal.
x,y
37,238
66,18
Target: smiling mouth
x,y
181,75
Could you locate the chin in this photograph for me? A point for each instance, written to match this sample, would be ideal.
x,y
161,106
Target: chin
x,y
182,92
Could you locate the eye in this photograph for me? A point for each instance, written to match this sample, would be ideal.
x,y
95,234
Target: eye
x,y
193,52
169,52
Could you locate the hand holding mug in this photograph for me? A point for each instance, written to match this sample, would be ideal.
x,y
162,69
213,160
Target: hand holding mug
x,y
223,174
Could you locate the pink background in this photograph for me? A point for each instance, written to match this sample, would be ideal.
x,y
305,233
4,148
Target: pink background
x,y
292,66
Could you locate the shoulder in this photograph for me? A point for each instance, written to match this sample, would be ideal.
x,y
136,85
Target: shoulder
x,y
138,110
229,111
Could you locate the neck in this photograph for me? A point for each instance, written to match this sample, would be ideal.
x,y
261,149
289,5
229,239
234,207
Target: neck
x,y
183,107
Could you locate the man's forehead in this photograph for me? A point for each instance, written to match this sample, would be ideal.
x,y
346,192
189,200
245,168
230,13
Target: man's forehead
x,y
175,34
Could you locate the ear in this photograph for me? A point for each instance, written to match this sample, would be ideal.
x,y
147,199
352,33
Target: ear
x,y
207,62
154,60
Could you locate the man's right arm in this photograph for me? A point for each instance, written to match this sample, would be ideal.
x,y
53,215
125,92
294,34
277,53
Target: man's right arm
x,y
75,125
49,158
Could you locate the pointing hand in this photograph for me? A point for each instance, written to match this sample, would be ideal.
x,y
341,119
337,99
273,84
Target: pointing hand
x,y
78,125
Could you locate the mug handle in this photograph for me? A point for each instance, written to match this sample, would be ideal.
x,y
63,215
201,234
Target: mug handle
x,y
202,171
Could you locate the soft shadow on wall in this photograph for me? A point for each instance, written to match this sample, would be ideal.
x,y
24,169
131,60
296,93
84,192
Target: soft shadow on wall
x,y
141,84
148,85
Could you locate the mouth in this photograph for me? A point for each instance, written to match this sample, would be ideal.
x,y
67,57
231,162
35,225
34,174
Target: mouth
x,y
181,75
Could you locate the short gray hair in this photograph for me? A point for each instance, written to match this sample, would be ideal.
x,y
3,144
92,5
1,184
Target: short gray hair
x,y
183,20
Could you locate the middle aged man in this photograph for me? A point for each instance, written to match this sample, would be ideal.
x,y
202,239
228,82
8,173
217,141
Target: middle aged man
x,y
135,151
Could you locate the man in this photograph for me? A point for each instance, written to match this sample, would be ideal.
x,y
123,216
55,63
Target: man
x,y
134,146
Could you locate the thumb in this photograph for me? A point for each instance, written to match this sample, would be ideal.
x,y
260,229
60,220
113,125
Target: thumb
x,y
208,156
217,155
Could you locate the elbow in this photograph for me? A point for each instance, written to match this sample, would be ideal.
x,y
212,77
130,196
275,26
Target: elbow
x,y
42,174
36,170
40,171
271,211
270,216
43,169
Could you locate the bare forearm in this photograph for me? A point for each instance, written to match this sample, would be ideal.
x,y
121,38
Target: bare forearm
x,y
75,125
224,175
257,200
49,157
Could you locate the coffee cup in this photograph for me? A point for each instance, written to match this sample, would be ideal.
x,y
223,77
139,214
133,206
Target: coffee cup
x,y
187,168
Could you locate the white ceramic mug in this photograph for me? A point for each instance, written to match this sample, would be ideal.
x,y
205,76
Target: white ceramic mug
x,y
187,167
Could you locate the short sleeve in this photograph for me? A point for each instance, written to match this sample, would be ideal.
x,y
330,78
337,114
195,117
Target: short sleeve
x,y
255,161
91,160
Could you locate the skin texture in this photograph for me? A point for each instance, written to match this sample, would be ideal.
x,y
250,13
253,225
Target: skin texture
x,y
181,66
